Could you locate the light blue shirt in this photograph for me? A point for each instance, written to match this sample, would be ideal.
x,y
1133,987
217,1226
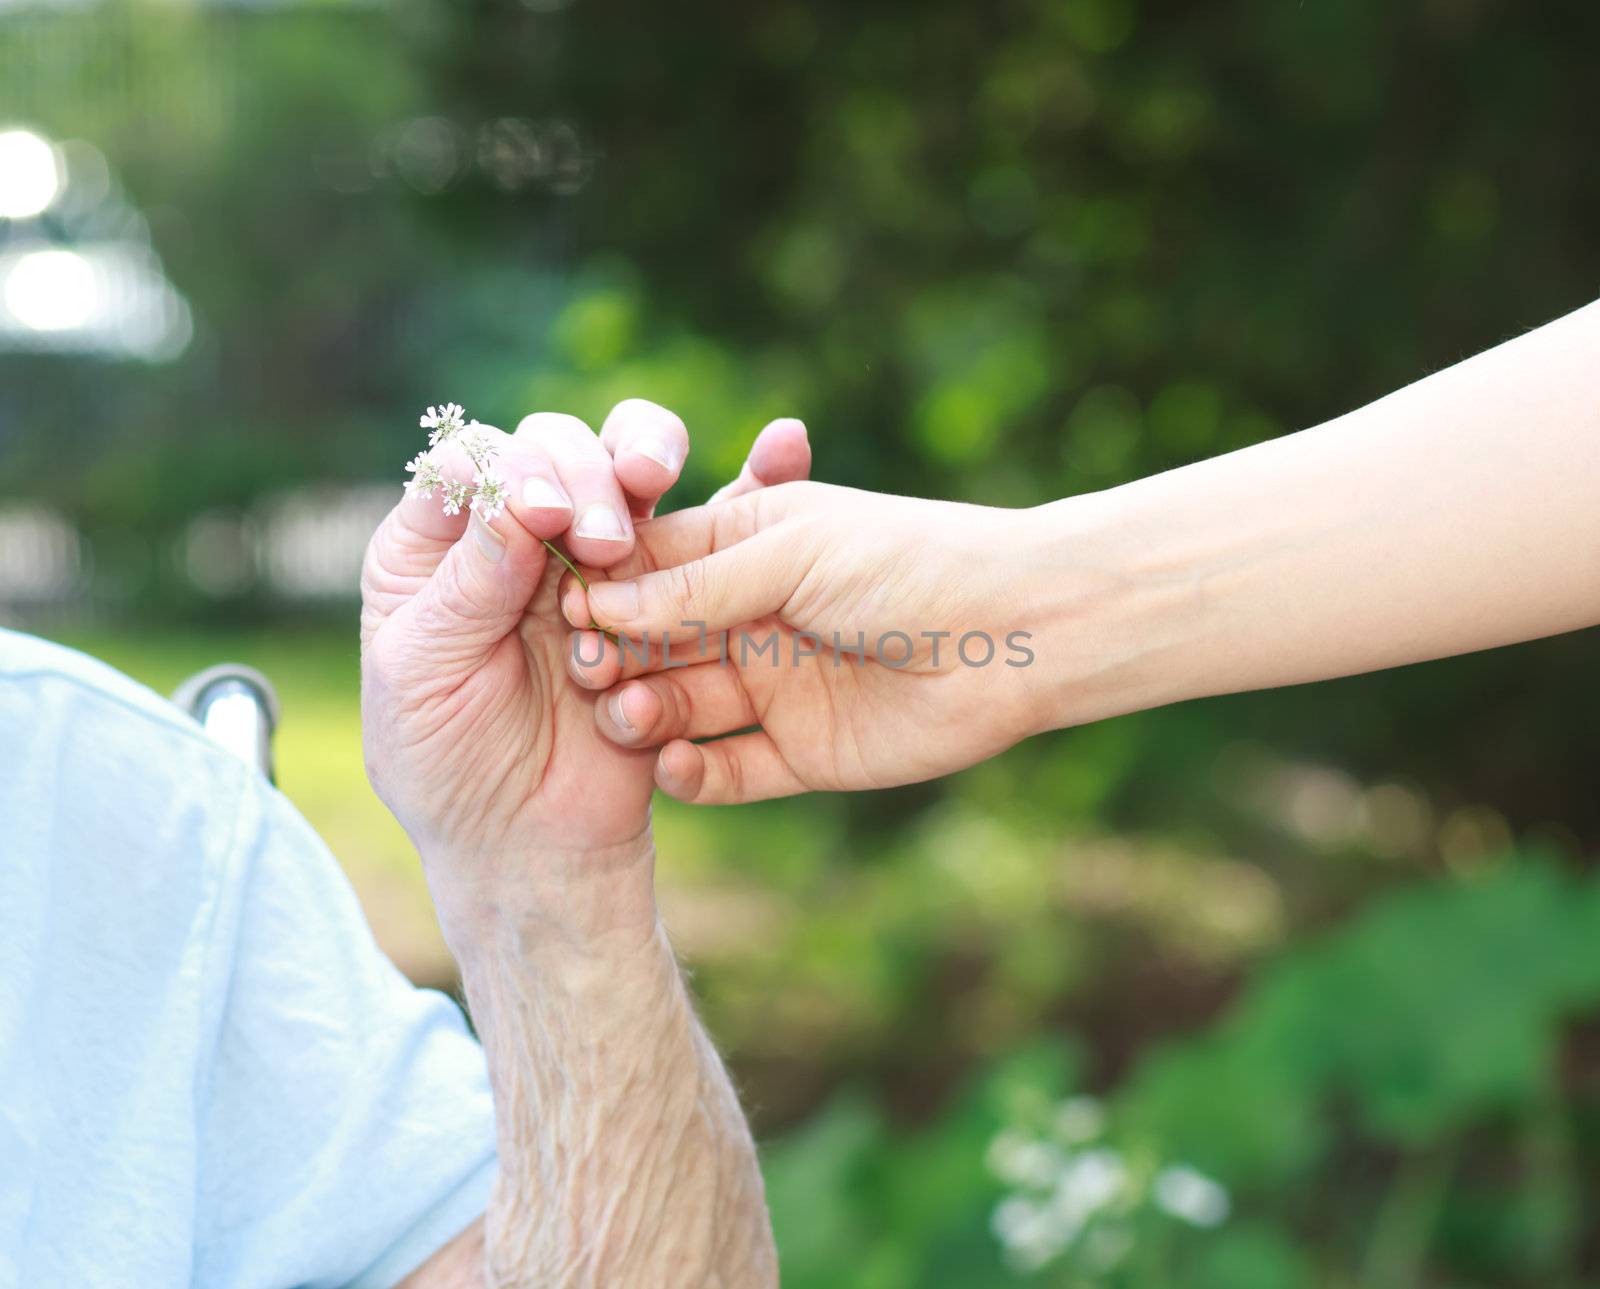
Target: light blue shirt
x,y
209,1074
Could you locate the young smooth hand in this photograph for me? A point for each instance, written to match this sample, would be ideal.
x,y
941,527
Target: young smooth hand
x,y
874,640
1455,514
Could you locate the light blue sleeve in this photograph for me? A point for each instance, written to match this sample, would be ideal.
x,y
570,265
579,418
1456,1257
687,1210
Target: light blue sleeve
x,y
346,1126
209,1073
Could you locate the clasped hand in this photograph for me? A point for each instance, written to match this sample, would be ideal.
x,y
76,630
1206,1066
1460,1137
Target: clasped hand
x,y
484,749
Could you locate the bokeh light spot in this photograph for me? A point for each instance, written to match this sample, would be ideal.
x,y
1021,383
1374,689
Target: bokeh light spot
x,y
29,176
52,290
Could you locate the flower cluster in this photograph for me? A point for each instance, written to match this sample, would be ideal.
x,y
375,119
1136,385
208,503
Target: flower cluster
x,y
1076,1198
486,494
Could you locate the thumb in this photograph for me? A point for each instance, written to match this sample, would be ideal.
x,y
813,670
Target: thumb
x,y
729,587
476,596
780,454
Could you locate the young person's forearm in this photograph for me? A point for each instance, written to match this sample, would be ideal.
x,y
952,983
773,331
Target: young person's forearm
x,y
624,1156
1460,513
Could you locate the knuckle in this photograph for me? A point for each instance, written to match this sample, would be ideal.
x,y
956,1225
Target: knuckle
x,y
672,423
551,425
808,535
644,411
780,502
685,584
455,603
636,563
732,776
434,614
589,473
656,729
632,407
638,419
799,493
674,707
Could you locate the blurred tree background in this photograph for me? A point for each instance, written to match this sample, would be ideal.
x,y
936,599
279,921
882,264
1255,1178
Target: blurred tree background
x,y
1283,990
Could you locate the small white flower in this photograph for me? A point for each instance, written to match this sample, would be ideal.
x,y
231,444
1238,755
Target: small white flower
x,y
456,495
1090,1183
488,492
1002,1154
1106,1246
426,474
1030,1233
477,445
444,422
1191,1196
1080,1119
1014,1219
1020,1160
489,499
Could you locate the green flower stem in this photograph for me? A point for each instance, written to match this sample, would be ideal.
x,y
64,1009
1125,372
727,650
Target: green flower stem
x,y
583,582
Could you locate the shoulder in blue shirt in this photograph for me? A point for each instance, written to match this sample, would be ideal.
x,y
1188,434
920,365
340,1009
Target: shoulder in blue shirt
x,y
209,1074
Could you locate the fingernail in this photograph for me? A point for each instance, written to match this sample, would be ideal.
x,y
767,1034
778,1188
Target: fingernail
x,y
538,493
665,775
660,451
575,606
490,544
602,523
614,601
619,718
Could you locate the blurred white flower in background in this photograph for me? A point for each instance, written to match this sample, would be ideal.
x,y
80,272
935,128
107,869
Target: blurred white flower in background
x,y
1029,1233
1090,1182
1193,1197
1022,1160
1075,1197
1080,1119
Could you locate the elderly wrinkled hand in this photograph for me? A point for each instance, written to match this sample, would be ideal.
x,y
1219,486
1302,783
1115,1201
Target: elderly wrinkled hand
x,y
461,646
623,1155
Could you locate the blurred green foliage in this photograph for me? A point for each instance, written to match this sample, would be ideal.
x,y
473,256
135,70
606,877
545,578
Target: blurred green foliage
x,y
1334,948
1421,1036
